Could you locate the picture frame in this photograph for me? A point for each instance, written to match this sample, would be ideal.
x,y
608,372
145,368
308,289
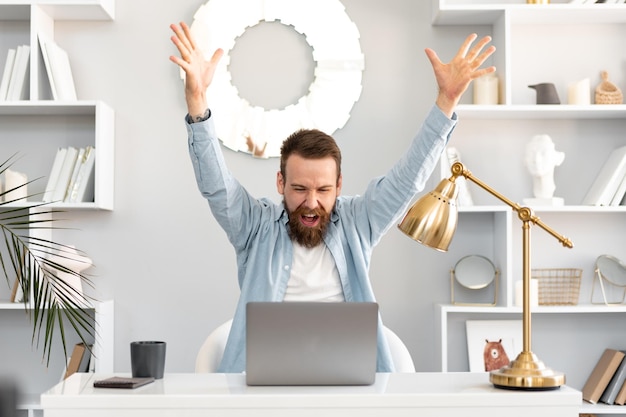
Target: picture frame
x,y
492,344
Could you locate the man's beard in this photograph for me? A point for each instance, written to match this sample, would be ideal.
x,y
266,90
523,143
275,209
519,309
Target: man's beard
x,y
308,237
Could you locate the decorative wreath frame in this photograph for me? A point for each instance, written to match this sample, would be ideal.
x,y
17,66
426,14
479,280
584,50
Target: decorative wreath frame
x,y
336,86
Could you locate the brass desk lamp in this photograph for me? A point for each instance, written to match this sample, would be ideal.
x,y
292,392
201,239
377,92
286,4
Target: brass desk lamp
x,y
432,221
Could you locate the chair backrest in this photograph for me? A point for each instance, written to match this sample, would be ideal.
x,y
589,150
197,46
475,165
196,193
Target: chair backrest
x,y
402,360
211,351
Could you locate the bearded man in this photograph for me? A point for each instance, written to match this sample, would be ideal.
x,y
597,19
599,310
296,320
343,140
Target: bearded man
x,y
316,245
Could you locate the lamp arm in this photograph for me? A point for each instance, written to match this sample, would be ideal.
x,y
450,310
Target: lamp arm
x,y
525,214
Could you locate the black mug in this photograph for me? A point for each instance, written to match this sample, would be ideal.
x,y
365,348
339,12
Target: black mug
x,y
147,359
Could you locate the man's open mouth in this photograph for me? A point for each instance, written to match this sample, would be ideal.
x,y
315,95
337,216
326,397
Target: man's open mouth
x,y
309,220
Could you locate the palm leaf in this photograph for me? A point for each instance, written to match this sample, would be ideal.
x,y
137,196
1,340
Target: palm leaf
x,y
37,266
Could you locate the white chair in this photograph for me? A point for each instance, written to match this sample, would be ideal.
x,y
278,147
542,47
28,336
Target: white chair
x,y
399,353
211,351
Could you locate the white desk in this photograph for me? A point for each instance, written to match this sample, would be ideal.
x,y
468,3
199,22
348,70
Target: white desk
x,y
226,395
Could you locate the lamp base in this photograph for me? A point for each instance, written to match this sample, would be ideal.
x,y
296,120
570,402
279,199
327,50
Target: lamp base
x,y
526,372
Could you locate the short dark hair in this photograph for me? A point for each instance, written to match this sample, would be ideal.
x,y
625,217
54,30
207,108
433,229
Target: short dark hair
x,y
309,144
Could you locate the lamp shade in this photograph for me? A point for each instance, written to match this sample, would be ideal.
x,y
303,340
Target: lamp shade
x,y
432,219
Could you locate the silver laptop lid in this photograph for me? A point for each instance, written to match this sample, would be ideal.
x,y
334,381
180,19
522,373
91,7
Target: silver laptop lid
x,y
311,343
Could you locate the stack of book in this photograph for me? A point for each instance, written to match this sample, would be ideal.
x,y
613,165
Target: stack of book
x,y
70,179
14,81
606,384
609,187
14,77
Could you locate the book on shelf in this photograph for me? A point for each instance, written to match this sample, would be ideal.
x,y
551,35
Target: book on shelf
x,y
79,361
65,174
620,399
601,375
618,198
616,382
92,362
6,74
16,292
608,180
43,43
18,81
86,359
71,176
54,174
82,188
74,175
57,63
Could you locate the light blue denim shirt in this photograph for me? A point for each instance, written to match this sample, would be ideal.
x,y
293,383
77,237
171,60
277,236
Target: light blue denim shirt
x,y
258,230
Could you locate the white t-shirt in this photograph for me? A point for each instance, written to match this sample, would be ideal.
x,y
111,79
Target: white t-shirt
x,y
314,276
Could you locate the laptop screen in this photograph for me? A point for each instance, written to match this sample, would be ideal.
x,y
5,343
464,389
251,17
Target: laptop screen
x,y
311,343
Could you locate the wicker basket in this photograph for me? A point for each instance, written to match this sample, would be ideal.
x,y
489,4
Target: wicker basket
x,y
608,93
558,286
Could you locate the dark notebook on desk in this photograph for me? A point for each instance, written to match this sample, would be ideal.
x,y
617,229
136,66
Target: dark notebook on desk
x,y
122,382
310,343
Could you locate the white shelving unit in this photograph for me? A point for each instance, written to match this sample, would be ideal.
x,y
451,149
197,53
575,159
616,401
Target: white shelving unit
x,y
103,350
95,126
559,43
445,311
39,125
34,129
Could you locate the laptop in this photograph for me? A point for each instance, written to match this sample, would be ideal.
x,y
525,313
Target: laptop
x,y
311,343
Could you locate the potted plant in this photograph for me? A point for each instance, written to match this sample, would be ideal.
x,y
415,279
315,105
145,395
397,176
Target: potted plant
x,y
35,266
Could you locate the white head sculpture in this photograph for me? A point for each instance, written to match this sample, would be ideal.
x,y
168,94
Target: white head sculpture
x,y
541,158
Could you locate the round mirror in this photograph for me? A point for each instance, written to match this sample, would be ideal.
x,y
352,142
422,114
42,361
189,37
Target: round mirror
x,y
474,272
612,269
333,42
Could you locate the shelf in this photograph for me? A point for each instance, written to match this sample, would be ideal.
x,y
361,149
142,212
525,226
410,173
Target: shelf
x,y
484,209
485,13
103,348
546,209
104,320
594,409
59,10
101,119
575,309
542,111
7,305
49,108
88,206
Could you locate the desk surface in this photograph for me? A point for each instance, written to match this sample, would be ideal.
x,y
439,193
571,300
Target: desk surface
x,y
432,394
